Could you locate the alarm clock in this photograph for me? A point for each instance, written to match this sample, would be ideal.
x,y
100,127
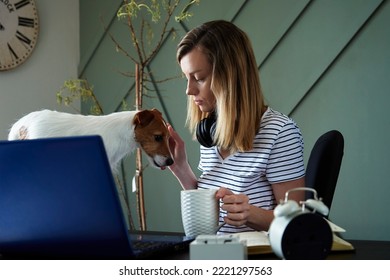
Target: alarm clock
x,y
299,230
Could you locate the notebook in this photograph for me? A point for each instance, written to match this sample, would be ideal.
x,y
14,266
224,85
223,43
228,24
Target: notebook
x,y
58,199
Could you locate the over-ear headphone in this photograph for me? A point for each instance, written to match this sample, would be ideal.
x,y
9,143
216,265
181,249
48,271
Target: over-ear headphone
x,y
297,231
205,130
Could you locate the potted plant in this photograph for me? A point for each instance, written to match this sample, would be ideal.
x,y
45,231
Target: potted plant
x,y
148,24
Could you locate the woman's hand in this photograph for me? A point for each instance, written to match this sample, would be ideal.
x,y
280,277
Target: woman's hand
x,y
180,168
240,212
236,205
177,147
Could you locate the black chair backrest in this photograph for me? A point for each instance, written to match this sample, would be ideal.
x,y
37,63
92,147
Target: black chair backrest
x,y
324,164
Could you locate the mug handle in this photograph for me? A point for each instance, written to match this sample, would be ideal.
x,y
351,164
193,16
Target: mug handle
x,y
219,227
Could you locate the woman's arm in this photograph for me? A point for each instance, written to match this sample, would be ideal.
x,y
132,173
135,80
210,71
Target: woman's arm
x,y
181,168
240,212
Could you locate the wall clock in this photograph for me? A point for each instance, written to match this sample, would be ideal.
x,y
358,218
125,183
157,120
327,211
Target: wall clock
x,y
18,32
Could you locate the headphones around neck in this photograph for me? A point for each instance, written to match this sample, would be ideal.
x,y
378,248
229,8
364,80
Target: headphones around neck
x,y
205,130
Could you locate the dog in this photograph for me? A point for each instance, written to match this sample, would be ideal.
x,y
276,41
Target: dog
x,y
122,132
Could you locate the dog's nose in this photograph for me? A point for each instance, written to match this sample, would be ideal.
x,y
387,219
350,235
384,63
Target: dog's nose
x,y
169,162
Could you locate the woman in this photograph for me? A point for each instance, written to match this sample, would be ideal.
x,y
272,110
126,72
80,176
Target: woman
x,y
249,152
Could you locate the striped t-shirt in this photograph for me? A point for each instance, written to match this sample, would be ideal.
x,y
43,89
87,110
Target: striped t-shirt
x,y
277,156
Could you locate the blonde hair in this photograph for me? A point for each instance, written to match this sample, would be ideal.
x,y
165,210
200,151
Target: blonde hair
x,y
235,83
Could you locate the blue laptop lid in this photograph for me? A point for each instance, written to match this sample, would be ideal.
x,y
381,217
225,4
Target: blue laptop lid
x,y
58,198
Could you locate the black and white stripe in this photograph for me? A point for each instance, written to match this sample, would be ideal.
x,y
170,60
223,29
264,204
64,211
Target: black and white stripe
x,y
277,156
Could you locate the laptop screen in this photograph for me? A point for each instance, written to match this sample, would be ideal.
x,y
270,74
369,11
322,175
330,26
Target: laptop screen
x,y
58,197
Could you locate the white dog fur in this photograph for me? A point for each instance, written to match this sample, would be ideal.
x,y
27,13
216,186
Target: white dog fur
x,y
117,131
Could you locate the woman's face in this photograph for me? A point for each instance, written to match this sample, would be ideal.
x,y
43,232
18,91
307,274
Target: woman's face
x,y
198,72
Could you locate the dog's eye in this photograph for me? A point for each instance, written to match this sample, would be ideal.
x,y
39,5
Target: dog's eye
x,y
158,138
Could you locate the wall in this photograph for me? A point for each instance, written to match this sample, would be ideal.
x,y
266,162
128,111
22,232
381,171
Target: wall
x,y
33,85
324,62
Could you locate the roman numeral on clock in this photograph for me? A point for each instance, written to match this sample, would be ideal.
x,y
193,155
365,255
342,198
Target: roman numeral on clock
x,y
26,22
23,38
21,4
14,56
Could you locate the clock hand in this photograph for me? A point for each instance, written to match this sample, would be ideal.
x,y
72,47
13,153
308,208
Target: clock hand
x,y
1,26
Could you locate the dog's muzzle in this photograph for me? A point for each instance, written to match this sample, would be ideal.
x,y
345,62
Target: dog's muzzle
x,y
168,161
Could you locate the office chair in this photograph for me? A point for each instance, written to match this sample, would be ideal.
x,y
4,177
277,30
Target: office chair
x,y
324,165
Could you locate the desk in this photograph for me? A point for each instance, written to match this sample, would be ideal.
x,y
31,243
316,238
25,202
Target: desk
x,y
364,250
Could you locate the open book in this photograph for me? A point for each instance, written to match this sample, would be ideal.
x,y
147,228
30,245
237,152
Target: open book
x,y
257,242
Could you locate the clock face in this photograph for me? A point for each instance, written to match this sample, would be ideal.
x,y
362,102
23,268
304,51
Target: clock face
x,y
18,32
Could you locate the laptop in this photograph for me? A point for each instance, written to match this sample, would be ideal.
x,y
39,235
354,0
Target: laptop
x,y
58,199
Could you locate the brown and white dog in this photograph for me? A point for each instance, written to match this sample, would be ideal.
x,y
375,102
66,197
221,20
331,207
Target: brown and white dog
x,y
121,132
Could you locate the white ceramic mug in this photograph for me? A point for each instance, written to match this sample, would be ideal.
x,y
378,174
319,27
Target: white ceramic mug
x,y
199,211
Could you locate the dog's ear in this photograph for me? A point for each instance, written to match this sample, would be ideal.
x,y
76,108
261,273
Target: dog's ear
x,y
156,112
144,117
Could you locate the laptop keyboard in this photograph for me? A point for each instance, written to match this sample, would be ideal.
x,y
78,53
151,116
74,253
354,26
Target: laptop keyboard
x,y
145,246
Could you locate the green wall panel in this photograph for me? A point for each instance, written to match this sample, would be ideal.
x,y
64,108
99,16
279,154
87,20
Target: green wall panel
x,y
324,61
309,47
353,98
266,22
94,15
